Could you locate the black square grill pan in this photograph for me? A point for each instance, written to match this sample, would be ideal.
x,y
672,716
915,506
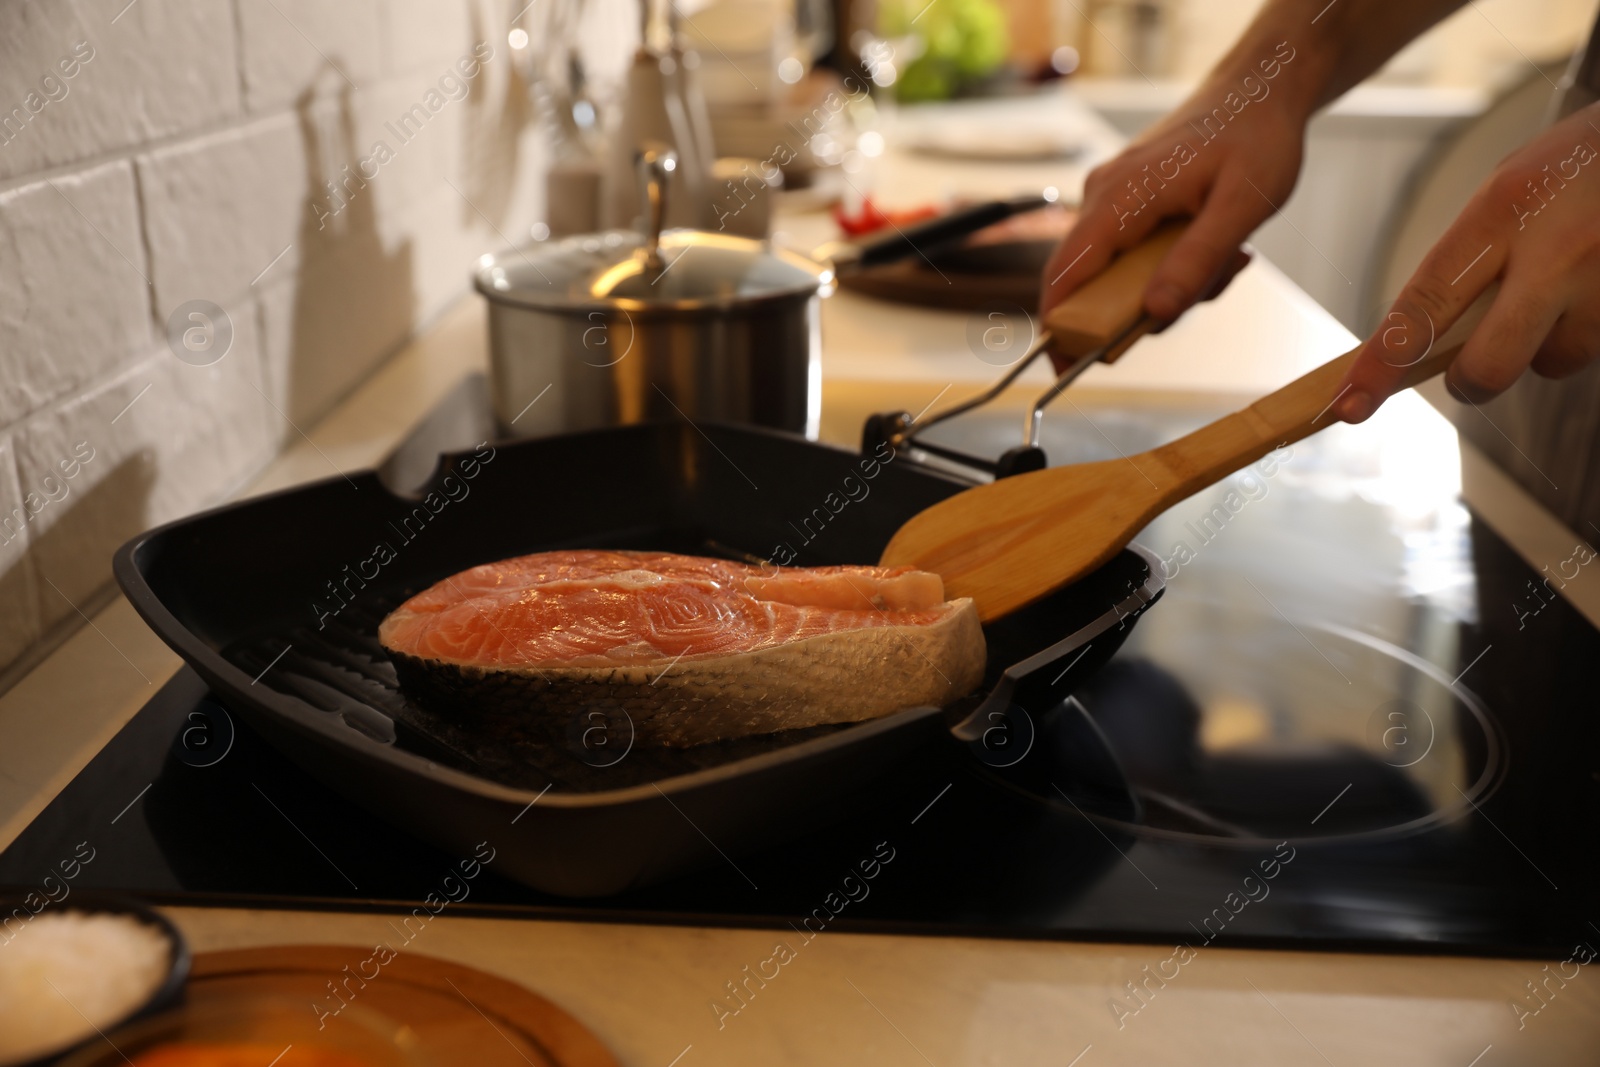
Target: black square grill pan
x,y
275,602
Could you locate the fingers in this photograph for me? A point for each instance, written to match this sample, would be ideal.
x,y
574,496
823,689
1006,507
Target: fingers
x,y
1083,252
1199,266
1572,345
1241,260
1204,258
1100,233
1458,268
1503,345
1532,227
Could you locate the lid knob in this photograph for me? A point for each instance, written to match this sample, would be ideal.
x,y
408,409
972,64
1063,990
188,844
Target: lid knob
x,y
656,161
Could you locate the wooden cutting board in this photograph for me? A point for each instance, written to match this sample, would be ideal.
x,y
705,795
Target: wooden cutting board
x,y
1000,264
911,281
462,1016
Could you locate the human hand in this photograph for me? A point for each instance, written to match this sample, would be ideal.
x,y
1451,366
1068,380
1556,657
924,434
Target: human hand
x,y
1533,226
1227,157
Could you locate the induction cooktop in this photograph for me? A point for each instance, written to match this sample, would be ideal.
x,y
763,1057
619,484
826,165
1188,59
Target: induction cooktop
x,y
1357,720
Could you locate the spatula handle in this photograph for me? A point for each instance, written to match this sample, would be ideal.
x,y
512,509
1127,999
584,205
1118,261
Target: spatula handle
x,y
1112,301
1296,411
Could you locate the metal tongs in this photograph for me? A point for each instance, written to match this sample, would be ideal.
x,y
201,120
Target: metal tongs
x,y
1096,324
899,429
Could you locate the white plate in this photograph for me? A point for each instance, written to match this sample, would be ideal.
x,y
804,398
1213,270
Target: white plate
x,y
994,143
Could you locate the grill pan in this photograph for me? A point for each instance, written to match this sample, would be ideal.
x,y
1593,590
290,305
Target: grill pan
x,y
247,595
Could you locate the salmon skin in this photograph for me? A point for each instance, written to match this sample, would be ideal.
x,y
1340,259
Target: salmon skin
x,y
679,650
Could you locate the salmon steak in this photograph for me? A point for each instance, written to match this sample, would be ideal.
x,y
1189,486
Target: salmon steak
x,y
689,649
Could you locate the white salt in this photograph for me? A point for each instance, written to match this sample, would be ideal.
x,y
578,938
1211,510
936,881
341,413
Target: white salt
x,y
66,973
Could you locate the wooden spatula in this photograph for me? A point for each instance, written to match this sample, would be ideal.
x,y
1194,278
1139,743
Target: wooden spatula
x,y
1008,543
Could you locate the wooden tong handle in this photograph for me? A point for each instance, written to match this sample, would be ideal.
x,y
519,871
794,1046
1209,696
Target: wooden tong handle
x,y
1112,301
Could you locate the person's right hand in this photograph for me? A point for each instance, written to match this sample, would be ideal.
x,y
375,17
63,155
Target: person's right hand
x,y
1229,184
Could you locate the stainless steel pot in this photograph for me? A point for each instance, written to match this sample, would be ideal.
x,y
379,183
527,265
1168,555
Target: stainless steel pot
x,y
622,327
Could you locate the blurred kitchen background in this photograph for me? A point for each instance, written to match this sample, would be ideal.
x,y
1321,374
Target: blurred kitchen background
x,y
279,193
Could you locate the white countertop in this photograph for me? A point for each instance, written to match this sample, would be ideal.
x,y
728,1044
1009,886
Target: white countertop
x,y
853,998
1134,102
1265,333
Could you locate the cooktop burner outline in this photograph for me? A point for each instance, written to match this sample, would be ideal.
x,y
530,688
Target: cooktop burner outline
x,y
1230,835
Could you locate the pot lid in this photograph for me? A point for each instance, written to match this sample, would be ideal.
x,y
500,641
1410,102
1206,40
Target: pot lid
x,y
612,270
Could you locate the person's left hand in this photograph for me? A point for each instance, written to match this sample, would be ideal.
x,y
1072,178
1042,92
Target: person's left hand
x,y
1534,226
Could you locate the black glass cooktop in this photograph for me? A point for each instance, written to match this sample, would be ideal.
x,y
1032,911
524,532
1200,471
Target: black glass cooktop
x,y
1357,719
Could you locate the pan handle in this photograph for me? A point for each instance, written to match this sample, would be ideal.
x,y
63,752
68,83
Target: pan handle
x,y
1063,755
1043,676
1074,760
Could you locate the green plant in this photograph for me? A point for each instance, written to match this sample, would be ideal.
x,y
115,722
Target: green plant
x,y
962,42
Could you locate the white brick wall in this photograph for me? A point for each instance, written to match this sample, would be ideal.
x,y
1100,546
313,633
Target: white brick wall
x,y
163,68
187,157
75,303
285,45
219,208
